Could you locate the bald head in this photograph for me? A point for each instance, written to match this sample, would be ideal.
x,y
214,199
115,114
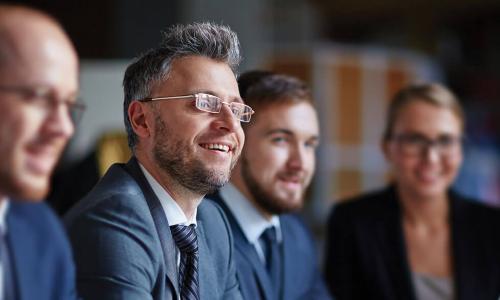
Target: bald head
x,y
38,84
25,31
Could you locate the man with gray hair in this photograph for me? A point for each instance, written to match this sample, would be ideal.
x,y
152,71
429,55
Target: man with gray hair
x,y
144,232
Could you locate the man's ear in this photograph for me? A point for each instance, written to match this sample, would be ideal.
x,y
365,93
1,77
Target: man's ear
x,y
138,120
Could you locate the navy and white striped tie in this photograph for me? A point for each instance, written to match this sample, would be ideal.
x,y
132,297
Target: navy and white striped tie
x,y
187,242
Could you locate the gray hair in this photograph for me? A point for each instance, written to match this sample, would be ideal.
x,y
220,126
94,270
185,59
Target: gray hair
x,y
217,42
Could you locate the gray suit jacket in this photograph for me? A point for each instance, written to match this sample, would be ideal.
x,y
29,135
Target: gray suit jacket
x,y
123,247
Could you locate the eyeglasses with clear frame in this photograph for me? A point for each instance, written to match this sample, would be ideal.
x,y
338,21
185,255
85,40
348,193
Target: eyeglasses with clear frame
x,y
212,104
416,144
44,98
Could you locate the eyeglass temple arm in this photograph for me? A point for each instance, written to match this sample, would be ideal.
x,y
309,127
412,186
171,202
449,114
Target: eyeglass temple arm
x,y
166,98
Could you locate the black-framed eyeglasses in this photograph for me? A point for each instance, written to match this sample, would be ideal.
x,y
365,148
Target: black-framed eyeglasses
x,y
416,144
45,99
212,104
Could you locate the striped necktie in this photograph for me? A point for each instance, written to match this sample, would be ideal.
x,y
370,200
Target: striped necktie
x,y
187,242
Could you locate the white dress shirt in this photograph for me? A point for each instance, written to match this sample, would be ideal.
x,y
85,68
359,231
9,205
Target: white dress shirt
x,y
4,205
251,221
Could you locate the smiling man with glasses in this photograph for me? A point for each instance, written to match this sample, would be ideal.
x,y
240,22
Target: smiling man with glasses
x,y
145,232
38,89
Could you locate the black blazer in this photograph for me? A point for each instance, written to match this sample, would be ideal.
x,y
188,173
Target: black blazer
x,y
366,255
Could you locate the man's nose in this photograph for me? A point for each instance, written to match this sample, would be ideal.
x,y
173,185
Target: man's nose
x,y
297,157
59,121
227,120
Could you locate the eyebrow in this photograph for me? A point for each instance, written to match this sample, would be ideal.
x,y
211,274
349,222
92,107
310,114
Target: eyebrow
x,y
278,130
287,132
419,134
314,137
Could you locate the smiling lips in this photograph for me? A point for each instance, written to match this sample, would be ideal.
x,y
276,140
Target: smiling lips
x,y
428,177
292,181
41,160
218,147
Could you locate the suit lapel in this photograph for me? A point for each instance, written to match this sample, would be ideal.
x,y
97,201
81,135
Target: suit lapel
x,y
468,253
21,247
207,277
161,223
289,261
390,243
461,245
247,252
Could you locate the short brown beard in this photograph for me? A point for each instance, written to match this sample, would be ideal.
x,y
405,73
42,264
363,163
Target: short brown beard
x,y
264,199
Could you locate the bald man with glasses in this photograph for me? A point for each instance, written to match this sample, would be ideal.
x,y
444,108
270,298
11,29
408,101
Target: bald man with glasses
x,y
38,89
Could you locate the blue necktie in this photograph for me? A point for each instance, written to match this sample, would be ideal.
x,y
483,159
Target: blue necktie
x,y
271,249
187,242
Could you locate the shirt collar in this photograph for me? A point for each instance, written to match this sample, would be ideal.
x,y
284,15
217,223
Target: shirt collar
x,y
173,211
251,221
4,206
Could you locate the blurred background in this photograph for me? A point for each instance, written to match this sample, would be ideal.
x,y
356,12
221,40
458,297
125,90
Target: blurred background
x,y
355,54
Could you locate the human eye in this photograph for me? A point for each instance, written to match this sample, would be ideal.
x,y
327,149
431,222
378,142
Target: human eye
x,y
279,139
312,143
413,140
447,141
241,111
208,103
38,96
238,109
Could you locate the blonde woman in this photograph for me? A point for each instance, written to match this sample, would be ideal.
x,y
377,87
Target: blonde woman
x,y
416,239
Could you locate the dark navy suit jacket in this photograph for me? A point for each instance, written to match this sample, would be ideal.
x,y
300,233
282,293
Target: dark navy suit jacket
x,y
301,276
40,254
367,258
124,249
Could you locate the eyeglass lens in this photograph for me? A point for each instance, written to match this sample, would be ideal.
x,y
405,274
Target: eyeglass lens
x,y
415,144
213,104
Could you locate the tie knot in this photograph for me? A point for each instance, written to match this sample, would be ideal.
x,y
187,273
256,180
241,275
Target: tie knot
x,y
185,238
269,235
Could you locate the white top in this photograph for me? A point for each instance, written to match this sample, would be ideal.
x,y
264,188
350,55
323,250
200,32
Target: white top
x,y
251,221
4,205
429,287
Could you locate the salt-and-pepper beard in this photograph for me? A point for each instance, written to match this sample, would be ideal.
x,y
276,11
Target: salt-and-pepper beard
x,y
190,173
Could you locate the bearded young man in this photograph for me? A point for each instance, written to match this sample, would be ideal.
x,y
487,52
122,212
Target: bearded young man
x,y
144,231
275,255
